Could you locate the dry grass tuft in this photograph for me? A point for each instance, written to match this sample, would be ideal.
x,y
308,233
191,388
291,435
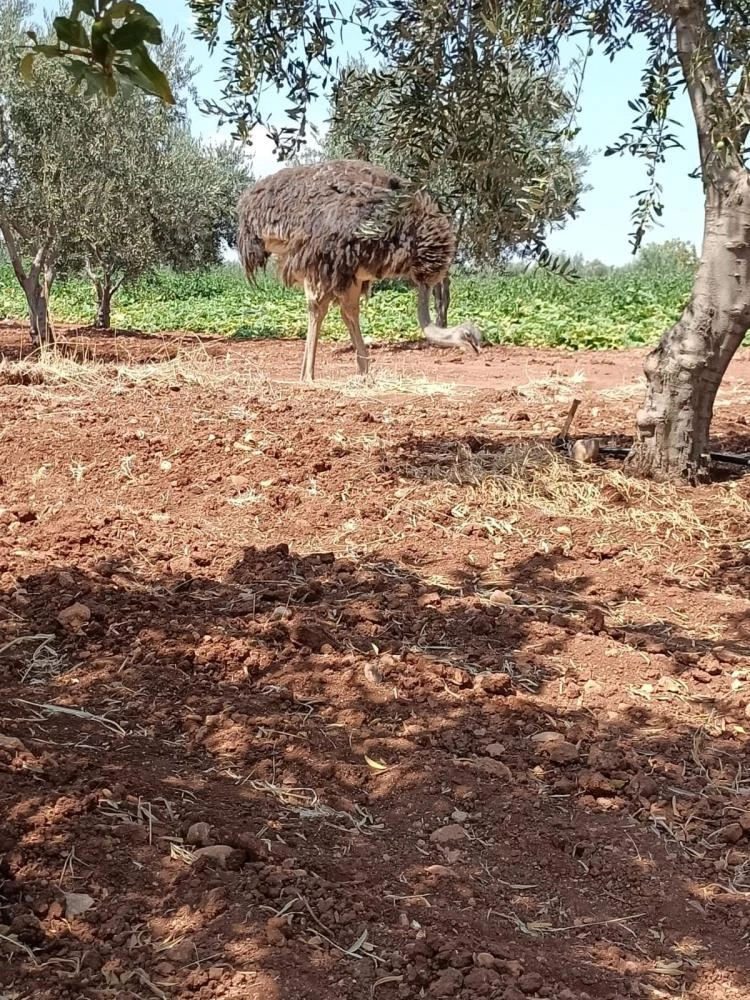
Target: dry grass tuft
x,y
383,382
525,476
551,388
54,368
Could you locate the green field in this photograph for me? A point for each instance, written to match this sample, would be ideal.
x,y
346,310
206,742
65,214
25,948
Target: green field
x,y
617,308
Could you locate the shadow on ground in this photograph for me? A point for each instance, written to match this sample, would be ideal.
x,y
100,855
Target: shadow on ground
x,y
414,789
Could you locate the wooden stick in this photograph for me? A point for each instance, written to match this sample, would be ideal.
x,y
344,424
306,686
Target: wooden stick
x,y
569,420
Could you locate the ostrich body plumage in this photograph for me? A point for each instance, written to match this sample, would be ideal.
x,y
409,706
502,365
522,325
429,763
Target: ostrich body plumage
x,y
314,220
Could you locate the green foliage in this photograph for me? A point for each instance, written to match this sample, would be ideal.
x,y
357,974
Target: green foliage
x,y
103,44
507,172
115,187
623,307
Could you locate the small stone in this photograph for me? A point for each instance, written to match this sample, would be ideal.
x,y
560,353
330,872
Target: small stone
x,y
427,599
215,973
459,816
11,743
77,903
165,466
496,750
745,821
493,684
530,982
484,960
500,597
732,833
199,835
216,852
449,983
74,616
495,768
451,834
281,612
562,752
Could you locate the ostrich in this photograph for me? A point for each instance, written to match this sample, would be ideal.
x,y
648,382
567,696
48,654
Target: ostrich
x,y
335,227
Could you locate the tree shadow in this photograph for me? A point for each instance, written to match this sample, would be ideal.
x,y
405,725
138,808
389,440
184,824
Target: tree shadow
x,y
415,788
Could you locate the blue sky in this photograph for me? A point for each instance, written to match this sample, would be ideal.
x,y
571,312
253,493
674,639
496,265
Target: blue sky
x,y
601,231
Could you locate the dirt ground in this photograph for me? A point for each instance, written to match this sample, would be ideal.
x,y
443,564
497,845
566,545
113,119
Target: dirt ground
x,y
361,692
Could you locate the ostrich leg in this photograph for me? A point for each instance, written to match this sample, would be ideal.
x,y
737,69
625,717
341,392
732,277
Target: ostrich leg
x,y
349,305
317,307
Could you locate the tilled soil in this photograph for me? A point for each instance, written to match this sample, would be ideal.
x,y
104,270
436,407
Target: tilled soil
x,y
339,693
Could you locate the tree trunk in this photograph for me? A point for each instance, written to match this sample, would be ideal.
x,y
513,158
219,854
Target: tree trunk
x,y
104,293
36,282
442,295
423,306
684,372
37,300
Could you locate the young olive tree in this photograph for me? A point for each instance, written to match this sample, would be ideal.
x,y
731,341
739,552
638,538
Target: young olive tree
x,y
112,187
38,167
701,45
154,198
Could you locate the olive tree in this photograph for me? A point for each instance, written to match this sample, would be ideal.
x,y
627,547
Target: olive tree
x,y
507,172
36,170
701,45
153,197
111,187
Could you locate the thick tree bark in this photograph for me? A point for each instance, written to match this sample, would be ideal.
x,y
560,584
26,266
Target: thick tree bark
x,y
104,293
36,282
106,290
37,300
442,296
684,372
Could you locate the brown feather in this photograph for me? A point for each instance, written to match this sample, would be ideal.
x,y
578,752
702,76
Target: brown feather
x,y
310,217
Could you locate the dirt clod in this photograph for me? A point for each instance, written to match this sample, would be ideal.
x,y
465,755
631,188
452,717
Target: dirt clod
x,y
75,616
199,835
454,833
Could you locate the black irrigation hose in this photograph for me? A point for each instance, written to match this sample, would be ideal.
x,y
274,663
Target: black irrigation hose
x,y
715,456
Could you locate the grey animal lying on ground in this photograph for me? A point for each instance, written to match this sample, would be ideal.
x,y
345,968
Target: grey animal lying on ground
x,y
466,336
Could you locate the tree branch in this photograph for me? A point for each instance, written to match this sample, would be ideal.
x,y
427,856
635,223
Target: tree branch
x,y
40,258
6,229
706,88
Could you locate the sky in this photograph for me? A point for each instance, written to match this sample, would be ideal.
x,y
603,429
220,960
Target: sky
x,y
601,230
